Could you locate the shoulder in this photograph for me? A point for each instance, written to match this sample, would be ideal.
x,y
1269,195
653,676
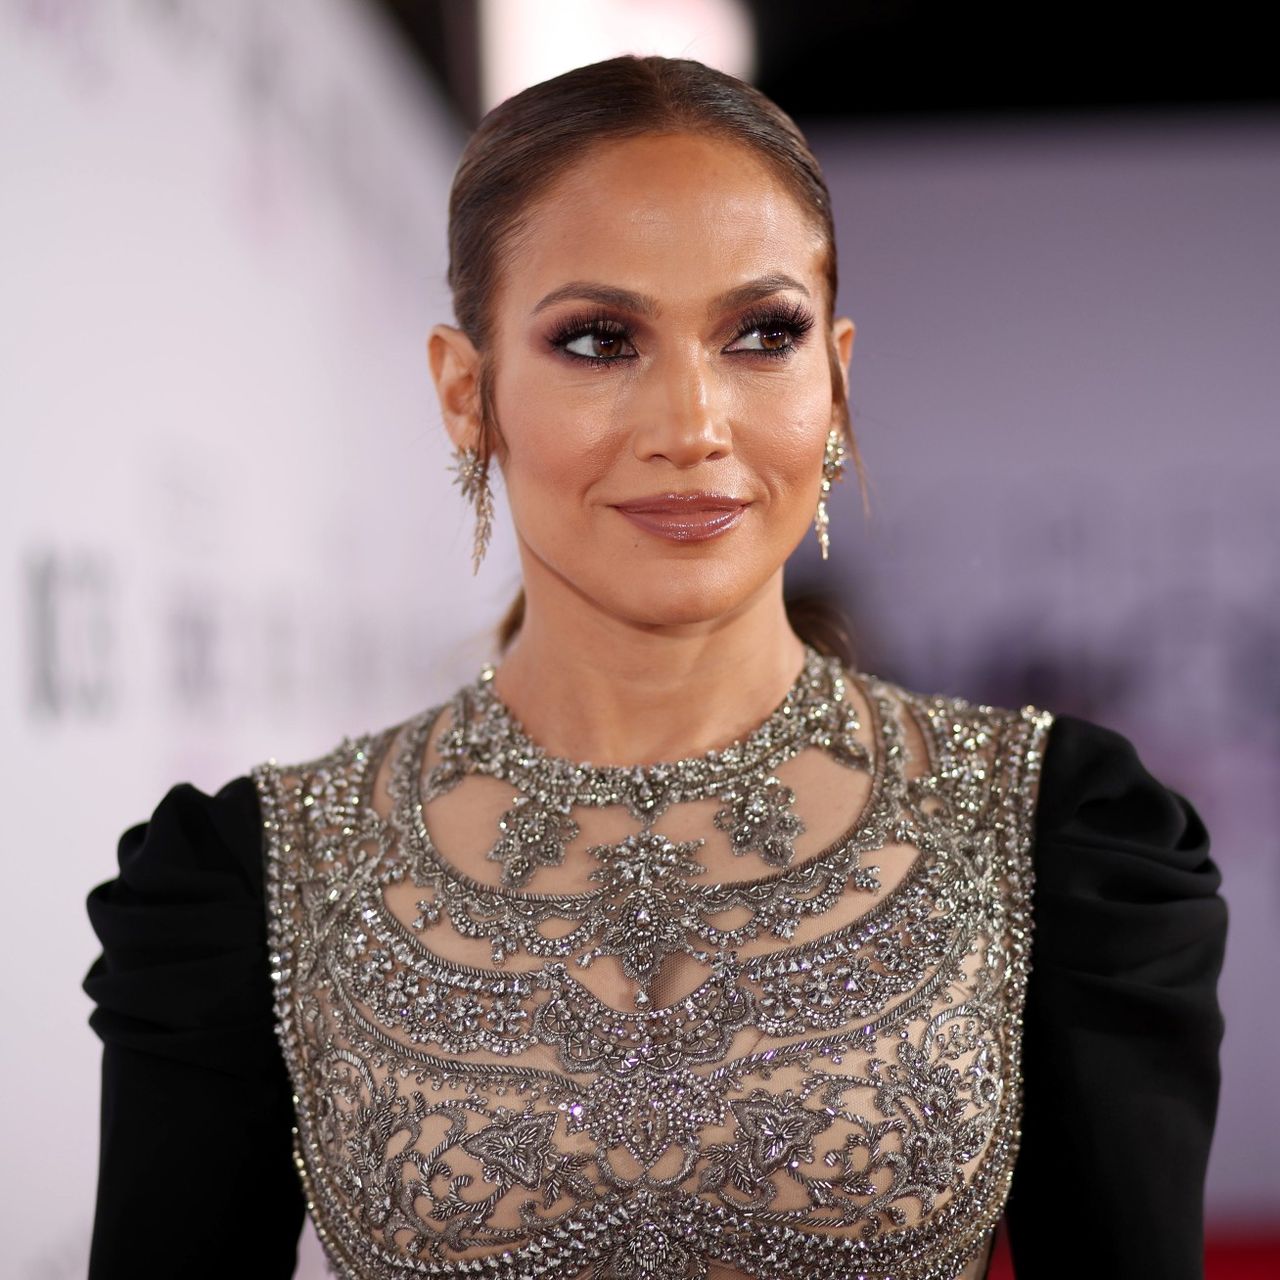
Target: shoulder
x,y
983,754
182,972
321,814
1089,783
207,848
330,785
195,844
1096,789
950,721
1124,874
1102,823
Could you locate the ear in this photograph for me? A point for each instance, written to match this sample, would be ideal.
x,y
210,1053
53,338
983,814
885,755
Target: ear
x,y
842,335
455,368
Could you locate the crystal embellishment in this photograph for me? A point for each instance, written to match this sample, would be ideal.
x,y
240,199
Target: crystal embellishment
x,y
641,900
759,820
485,739
830,1087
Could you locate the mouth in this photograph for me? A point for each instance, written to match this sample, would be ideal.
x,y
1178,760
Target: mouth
x,y
684,517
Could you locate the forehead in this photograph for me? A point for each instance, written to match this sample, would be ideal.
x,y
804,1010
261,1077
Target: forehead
x,y
678,216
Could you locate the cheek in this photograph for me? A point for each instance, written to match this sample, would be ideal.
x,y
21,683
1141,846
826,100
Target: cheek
x,y
557,447
540,473
783,437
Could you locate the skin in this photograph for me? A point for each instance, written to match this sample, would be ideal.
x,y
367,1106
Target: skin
x,y
636,648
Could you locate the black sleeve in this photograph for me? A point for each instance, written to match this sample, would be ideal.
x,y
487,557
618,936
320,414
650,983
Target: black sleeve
x,y
195,1174
1122,1024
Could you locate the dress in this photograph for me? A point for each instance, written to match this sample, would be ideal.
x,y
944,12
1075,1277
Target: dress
x,y
828,1002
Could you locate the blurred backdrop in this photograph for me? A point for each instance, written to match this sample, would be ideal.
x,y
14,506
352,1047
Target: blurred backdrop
x,y
229,530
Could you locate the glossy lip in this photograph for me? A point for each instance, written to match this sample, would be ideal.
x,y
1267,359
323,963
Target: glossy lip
x,y
684,517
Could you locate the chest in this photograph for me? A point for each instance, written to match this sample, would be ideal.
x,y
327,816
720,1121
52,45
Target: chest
x,y
641,1069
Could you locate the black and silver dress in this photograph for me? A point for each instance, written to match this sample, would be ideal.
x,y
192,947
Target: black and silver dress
x,y
826,1003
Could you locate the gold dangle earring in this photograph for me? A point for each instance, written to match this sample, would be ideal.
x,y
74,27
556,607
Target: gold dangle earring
x,y
833,463
471,475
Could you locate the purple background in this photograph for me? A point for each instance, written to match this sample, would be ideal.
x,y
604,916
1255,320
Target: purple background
x,y
1064,388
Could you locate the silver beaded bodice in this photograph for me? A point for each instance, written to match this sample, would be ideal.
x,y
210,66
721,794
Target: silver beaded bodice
x,y
756,1013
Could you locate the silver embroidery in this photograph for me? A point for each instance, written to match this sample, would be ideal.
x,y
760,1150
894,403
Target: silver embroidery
x,y
844,1105
533,835
815,713
641,900
759,819
485,739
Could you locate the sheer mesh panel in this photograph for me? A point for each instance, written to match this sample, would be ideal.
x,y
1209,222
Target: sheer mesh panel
x,y
758,1017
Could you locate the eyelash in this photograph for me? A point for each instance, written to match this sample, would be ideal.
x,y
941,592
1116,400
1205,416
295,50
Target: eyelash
x,y
790,318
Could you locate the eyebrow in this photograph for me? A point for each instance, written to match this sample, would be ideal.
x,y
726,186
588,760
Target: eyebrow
x,y
626,300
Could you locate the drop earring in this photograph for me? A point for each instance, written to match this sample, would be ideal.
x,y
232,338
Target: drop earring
x,y
471,475
833,463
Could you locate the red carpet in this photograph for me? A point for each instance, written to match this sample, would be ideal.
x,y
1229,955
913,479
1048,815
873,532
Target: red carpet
x,y
1226,1258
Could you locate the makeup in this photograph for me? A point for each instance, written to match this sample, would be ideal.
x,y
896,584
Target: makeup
x,y
684,517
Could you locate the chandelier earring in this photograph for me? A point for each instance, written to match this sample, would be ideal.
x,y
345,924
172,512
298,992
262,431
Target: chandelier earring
x,y
471,475
833,464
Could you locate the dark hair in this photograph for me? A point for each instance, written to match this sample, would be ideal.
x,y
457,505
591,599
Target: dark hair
x,y
527,142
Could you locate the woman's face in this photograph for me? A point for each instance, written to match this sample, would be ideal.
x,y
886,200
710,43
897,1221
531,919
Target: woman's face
x,y
663,386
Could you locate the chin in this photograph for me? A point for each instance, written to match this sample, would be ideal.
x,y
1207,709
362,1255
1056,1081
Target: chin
x,y
674,595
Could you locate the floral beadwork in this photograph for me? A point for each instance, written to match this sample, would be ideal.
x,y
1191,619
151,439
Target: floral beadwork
x,y
847,1103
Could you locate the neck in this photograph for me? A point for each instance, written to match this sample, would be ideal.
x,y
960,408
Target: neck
x,y
590,686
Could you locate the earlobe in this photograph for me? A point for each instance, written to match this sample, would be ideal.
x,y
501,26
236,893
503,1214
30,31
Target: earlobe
x,y
455,369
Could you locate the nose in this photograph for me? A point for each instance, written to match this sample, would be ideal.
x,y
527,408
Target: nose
x,y
683,416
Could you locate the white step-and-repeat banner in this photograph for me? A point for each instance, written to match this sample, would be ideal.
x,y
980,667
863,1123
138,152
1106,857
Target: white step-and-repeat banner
x,y
228,528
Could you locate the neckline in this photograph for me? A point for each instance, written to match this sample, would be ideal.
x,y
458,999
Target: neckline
x,y
866,832
486,737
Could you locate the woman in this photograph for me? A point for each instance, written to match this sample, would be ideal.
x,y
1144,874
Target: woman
x,y
807,975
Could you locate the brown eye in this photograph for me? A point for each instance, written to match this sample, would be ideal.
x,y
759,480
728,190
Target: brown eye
x,y
776,331
598,345
771,338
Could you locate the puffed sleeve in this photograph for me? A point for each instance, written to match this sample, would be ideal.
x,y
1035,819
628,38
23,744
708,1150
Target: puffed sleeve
x,y
195,1173
1122,1024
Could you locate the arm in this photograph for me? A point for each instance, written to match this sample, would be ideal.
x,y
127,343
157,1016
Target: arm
x,y
195,1173
1122,1024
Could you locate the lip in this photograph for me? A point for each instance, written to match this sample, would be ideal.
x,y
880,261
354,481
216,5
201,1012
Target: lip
x,y
684,517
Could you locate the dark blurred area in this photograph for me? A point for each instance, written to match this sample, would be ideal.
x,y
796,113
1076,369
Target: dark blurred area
x,y
898,59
